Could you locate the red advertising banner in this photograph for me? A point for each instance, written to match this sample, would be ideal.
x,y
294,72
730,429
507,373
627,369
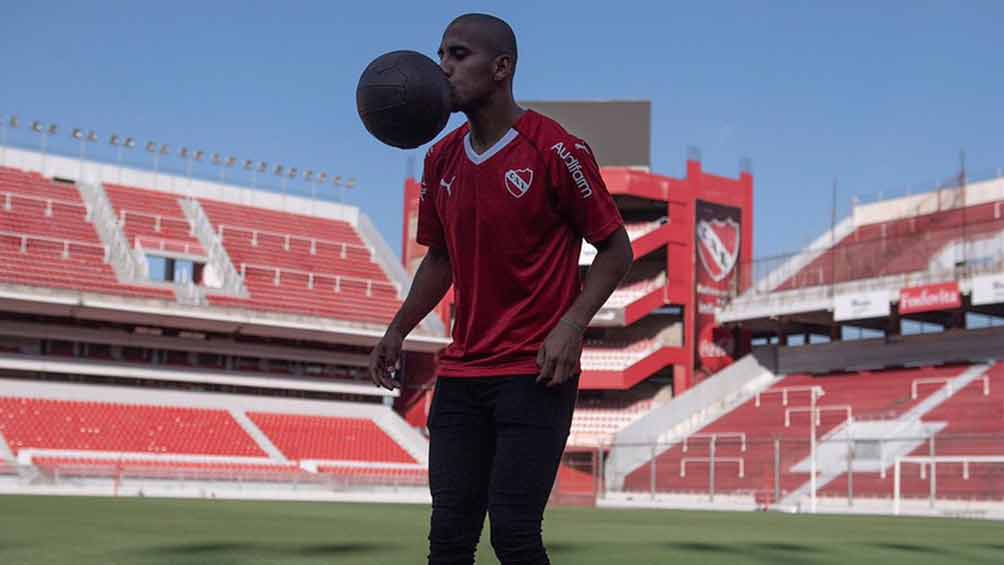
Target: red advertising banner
x,y
929,298
717,247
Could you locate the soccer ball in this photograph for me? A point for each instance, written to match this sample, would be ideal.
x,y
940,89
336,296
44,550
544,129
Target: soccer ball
x,y
403,99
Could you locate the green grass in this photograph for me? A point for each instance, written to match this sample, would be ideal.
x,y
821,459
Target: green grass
x,y
84,531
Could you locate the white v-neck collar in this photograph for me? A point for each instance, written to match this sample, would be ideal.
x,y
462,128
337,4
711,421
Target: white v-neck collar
x,y
499,146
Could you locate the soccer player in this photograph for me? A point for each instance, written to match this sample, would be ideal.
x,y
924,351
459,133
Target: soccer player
x,y
506,200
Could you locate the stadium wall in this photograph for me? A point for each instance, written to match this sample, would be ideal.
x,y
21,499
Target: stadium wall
x,y
962,346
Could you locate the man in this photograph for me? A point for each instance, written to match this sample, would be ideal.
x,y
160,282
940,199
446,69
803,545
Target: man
x,y
505,203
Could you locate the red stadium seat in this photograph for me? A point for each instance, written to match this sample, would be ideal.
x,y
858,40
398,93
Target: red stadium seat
x,y
302,437
46,241
880,395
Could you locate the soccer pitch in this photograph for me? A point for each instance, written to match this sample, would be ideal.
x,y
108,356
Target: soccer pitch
x,y
85,531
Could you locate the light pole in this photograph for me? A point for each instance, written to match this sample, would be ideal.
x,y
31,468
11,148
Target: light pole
x,y
218,161
349,185
119,144
151,148
292,176
229,163
164,151
322,177
279,171
6,123
189,156
308,177
197,157
337,184
249,166
260,168
91,137
45,130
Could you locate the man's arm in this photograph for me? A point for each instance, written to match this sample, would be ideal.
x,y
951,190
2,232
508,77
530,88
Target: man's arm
x,y
562,349
432,280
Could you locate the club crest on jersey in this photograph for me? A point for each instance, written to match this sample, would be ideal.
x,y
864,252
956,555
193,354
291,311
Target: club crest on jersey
x,y
718,246
518,181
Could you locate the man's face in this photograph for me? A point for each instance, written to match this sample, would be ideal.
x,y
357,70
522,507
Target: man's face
x,y
469,67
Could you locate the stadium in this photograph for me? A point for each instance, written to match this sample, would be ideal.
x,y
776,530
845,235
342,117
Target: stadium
x,y
166,336
185,336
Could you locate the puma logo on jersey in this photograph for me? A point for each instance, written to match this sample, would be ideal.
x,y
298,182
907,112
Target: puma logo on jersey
x,y
447,185
581,147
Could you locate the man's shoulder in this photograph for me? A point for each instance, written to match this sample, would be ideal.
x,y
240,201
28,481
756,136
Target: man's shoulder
x,y
547,135
450,143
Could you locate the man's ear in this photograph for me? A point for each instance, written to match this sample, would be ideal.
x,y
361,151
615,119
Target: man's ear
x,y
503,66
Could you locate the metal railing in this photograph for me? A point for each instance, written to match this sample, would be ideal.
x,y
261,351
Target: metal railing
x,y
132,477
231,281
311,277
288,238
9,196
66,244
870,260
937,472
128,267
146,243
158,219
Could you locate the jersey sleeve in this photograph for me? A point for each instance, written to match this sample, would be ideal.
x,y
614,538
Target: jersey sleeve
x,y
582,196
430,228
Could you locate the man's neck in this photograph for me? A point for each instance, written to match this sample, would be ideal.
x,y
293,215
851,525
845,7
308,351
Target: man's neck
x,y
491,121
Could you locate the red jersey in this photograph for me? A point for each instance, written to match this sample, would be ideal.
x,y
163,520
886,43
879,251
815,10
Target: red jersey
x,y
512,220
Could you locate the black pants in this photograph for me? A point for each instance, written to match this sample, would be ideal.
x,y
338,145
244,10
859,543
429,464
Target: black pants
x,y
494,445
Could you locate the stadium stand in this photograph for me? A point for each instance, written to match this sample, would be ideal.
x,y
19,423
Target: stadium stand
x,y
632,291
898,246
124,467
598,417
73,438
404,476
638,350
104,393
329,438
46,240
899,240
746,433
298,264
606,356
32,423
153,219
973,421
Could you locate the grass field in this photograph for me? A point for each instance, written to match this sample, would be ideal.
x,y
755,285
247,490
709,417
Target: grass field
x,y
86,531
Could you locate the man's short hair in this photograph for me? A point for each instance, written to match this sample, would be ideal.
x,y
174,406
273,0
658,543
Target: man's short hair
x,y
495,32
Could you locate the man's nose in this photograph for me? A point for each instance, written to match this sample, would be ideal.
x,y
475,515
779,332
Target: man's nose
x,y
447,68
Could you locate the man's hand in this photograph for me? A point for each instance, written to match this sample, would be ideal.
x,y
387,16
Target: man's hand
x,y
385,359
559,355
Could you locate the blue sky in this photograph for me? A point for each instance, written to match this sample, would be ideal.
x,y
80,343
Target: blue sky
x,y
878,95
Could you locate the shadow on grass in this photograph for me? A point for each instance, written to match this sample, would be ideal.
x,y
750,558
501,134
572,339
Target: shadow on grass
x,y
912,548
234,549
999,546
558,547
706,547
765,552
774,547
